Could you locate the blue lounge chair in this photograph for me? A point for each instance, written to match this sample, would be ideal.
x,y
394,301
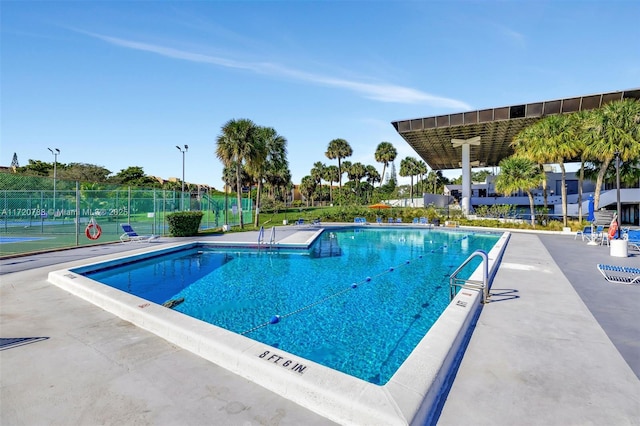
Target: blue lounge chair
x,y
633,239
587,233
620,274
130,235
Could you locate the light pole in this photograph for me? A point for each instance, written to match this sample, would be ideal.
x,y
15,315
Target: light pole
x,y
183,151
619,207
55,153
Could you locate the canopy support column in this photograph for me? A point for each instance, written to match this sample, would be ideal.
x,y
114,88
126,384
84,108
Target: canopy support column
x,y
466,169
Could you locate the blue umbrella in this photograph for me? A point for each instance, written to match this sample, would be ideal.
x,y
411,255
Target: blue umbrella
x,y
590,216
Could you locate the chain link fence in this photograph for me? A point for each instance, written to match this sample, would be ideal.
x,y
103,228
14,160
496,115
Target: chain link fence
x,y
38,213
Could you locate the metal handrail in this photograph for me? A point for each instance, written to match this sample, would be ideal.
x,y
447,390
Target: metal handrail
x,y
272,237
455,282
261,235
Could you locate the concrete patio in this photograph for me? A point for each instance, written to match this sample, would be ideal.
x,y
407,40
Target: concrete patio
x,y
557,345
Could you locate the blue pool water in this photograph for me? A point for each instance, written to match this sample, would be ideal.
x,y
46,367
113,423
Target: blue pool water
x,y
358,301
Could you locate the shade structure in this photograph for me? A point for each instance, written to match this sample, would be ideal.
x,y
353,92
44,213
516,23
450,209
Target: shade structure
x,y
380,206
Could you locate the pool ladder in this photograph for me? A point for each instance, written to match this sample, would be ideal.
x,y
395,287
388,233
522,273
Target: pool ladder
x,y
272,236
456,283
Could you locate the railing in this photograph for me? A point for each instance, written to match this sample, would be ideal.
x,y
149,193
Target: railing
x,y
455,282
272,236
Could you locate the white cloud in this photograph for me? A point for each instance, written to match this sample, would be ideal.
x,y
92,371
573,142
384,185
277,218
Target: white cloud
x,y
376,91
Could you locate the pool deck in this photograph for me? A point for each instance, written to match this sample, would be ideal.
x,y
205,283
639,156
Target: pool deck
x,y
556,345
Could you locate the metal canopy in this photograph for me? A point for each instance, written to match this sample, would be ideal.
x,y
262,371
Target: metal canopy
x,y
431,137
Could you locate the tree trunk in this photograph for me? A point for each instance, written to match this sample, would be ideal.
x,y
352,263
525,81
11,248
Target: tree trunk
x,y
544,189
580,181
239,193
532,207
564,195
599,180
258,195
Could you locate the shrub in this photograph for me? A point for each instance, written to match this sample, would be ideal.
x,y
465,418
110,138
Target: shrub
x,y
184,224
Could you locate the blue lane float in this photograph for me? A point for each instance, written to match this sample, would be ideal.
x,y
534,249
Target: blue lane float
x,y
274,319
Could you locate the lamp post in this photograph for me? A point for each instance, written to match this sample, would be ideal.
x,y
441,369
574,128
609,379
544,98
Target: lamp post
x,y
183,151
55,153
618,206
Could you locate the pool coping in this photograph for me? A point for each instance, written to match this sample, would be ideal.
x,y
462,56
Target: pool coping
x,y
408,398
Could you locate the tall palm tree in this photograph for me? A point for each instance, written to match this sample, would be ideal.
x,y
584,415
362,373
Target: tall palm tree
x,y
236,144
317,172
331,175
372,175
550,140
385,154
277,173
270,148
356,173
409,167
519,173
421,170
580,121
339,148
615,129
346,168
308,187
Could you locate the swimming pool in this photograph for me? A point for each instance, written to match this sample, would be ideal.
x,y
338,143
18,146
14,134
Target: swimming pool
x,y
307,313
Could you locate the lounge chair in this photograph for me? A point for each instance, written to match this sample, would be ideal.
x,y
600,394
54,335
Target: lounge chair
x,y
130,235
620,274
587,233
633,239
299,222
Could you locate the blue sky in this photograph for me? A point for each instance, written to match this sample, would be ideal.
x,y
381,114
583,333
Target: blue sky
x,y
122,83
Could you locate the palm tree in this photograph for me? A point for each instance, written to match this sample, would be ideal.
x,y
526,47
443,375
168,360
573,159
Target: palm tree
x,y
408,167
385,154
580,121
346,168
615,129
339,148
277,173
331,175
550,140
236,145
421,170
270,148
356,173
308,187
519,173
317,172
372,175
